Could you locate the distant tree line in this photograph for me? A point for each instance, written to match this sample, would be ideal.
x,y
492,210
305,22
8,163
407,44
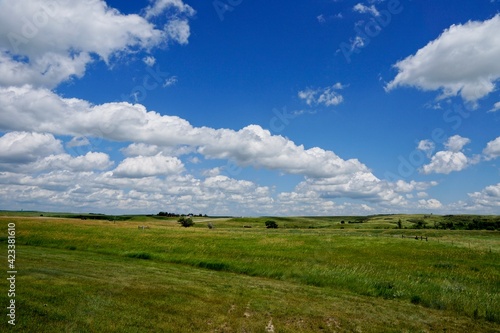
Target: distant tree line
x,y
459,222
468,223
167,214
100,217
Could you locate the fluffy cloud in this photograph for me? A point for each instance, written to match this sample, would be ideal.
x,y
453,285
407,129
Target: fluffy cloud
x,y
160,6
464,59
24,147
25,152
302,203
456,143
429,204
30,54
452,159
427,146
446,162
46,70
492,149
63,189
170,81
323,96
496,107
88,162
257,147
85,189
141,149
405,187
178,30
149,61
148,166
156,139
488,197
78,142
360,8
246,195
41,110
364,186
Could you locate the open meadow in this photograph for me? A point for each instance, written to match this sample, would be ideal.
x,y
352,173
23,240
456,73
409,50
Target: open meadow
x,y
387,273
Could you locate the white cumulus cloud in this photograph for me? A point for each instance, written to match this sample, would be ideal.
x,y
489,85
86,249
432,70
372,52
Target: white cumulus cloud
x,y
495,108
446,162
178,30
427,146
25,152
456,143
492,149
360,8
452,159
489,197
88,162
149,61
22,147
430,204
160,6
39,48
41,110
463,60
148,166
327,96
156,138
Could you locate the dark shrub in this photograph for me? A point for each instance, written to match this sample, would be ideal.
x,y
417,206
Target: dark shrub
x,y
216,266
138,255
185,222
416,299
271,225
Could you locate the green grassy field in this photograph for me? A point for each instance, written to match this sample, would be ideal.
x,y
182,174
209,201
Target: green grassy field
x,y
311,274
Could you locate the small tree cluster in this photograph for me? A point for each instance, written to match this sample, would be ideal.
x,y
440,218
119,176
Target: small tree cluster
x,y
186,222
271,225
167,214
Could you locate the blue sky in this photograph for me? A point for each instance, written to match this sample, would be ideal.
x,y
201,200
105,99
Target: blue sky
x,y
250,107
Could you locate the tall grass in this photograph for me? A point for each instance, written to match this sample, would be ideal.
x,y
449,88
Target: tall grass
x,y
443,274
435,275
